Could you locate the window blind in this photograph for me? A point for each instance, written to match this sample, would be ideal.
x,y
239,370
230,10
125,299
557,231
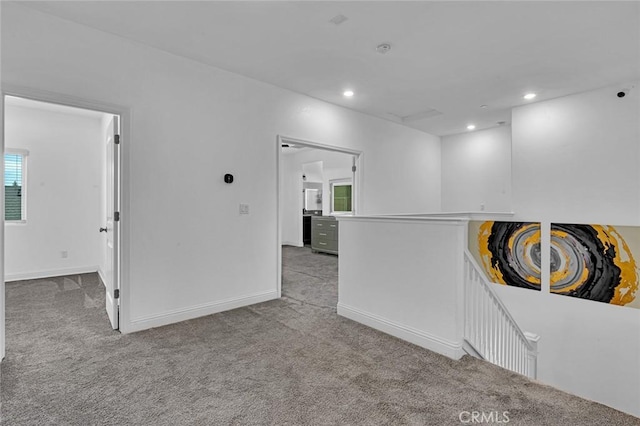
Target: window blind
x,y
13,187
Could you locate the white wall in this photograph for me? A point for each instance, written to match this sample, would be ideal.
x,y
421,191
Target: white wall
x,y
404,277
63,194
312,171
476,171
191,253
575,160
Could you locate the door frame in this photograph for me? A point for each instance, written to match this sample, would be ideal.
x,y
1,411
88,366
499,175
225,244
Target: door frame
x,y
357,184
125,206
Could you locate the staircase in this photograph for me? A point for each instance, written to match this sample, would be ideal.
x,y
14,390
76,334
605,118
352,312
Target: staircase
x,y
490,332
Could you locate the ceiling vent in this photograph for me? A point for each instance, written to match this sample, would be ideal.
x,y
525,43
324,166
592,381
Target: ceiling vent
x,y
418,116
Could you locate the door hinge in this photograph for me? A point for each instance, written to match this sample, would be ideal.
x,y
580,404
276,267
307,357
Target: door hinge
x,y
116,216
116,139
116,293
353,169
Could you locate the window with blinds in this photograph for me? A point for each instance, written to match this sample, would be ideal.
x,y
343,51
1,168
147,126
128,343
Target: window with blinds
x,y
14,188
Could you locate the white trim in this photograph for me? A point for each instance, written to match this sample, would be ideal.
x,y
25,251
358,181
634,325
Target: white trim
x,y
101,275
39,95
341,182
417,337
290,243
497,216
197,311
316,145
34,275
17,151
401,219
531,337
278,218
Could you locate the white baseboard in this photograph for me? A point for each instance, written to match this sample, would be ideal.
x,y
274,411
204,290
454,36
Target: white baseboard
x,y
290,243
101,275
417,337
50,273
184,314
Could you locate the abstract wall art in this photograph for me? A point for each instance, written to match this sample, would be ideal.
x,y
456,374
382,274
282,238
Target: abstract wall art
x,y
595,262
509,252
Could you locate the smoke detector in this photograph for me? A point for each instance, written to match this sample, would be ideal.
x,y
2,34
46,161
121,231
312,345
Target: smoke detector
x,y
338,19
383,48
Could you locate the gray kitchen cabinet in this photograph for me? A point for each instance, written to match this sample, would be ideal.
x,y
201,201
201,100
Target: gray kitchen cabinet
x,y
324,234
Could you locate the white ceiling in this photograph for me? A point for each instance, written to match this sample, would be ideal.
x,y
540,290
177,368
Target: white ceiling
x,y
448,56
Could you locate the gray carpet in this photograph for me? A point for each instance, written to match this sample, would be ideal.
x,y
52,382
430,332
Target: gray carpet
x,y
310,278
291,361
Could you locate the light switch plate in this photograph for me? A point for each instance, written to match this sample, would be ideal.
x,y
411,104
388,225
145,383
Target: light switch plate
x,y
244,208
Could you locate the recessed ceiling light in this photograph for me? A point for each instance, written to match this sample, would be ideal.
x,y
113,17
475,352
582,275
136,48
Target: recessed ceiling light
x,y
348,93
529,96
471,126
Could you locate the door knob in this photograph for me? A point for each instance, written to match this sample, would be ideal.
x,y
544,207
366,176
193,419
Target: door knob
x,y
103,229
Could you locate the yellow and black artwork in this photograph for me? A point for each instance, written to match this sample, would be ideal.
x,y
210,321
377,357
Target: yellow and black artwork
x,y
591,262
595,262
509,252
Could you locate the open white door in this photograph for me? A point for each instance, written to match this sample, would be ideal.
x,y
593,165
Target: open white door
x,y
112,228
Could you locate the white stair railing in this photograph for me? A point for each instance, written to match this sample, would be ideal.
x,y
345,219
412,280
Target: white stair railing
x,y
489,327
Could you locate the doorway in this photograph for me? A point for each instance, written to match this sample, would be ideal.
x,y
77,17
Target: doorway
x,y
317,183
61,200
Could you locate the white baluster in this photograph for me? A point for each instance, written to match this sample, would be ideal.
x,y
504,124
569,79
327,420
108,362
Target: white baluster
x,y
516,355
485,319
519,359
499,337
503,343
516,361
492,330
511,352
509,345
470,296
474,307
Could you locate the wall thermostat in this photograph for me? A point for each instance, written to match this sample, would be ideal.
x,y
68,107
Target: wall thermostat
x,y
228,178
